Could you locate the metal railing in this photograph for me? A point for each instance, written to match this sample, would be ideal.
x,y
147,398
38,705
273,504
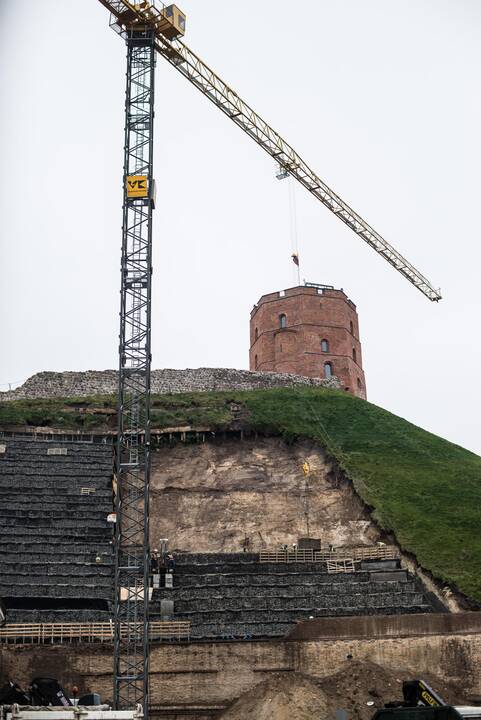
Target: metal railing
x,y
57,436
383,552
376,552
35,633
283,556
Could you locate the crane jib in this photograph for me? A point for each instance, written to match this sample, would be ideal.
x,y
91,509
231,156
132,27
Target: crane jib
x,y
200,75
213,87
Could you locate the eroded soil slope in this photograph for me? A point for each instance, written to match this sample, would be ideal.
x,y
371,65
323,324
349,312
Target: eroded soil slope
x,y
208,497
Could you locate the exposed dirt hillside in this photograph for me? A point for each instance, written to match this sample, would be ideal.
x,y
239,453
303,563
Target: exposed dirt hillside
x,y
424,489
209,497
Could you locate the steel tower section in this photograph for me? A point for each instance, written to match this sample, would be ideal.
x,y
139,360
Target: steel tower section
x,y
132,552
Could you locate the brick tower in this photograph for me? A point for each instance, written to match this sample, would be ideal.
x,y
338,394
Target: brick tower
x,y
308,330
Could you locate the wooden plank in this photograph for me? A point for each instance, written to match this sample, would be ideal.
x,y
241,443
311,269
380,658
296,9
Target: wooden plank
x,y
344,565
359,553
91,631
286,556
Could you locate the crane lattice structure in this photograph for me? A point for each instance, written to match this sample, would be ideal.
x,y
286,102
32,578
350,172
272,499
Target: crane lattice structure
x,y
132,555
149,27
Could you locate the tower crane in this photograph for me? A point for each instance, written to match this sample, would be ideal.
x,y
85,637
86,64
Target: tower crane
x,y
151,29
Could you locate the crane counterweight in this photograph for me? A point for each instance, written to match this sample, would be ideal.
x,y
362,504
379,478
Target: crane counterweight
x,y
165,21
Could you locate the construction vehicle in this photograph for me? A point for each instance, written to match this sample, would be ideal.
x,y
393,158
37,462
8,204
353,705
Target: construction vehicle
x,y
421,702
47,700
42,692
428,712
102,712
151,29
418,692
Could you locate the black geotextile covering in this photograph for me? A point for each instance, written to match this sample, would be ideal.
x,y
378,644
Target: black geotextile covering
x,y
51,535
234,596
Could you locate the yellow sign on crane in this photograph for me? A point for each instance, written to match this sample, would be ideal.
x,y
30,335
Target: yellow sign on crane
x,y
137,186
305,467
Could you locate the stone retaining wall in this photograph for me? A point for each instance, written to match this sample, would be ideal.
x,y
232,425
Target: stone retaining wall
x,y
104,382
184,678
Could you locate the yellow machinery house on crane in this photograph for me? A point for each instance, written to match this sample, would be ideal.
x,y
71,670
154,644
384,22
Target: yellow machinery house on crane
x,y
173,23
169,21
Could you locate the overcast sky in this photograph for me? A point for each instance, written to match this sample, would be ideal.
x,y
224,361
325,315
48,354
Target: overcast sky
x,y
381,98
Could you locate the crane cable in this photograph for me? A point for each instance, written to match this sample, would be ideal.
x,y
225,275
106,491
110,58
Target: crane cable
x,y
283,174
293,229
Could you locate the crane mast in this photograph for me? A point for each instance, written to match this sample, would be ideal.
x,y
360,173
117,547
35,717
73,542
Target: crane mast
x,y
149,27
132,555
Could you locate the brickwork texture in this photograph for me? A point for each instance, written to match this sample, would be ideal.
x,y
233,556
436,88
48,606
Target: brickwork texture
x,y
308,331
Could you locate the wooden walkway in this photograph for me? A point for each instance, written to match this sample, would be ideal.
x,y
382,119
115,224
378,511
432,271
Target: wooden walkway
x,y
33,633
376,552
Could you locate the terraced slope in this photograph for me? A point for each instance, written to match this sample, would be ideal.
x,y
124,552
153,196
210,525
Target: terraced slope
x,y
234,596
425,489
55,552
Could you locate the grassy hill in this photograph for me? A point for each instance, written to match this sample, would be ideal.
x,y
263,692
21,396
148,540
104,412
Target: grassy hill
x,y
423,488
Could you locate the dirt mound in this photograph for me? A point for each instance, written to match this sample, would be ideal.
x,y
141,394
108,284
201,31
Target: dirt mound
x,y
282,697
359,688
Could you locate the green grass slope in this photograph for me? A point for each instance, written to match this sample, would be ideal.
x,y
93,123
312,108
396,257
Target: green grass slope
x,y
423,488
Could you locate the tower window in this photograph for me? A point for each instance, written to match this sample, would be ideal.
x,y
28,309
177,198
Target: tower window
x,y
354,354
325,345
359,383
256,334
351,326
327,370
282,321
255,362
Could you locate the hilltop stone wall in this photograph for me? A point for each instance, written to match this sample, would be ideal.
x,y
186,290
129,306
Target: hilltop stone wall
x,y
104,382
